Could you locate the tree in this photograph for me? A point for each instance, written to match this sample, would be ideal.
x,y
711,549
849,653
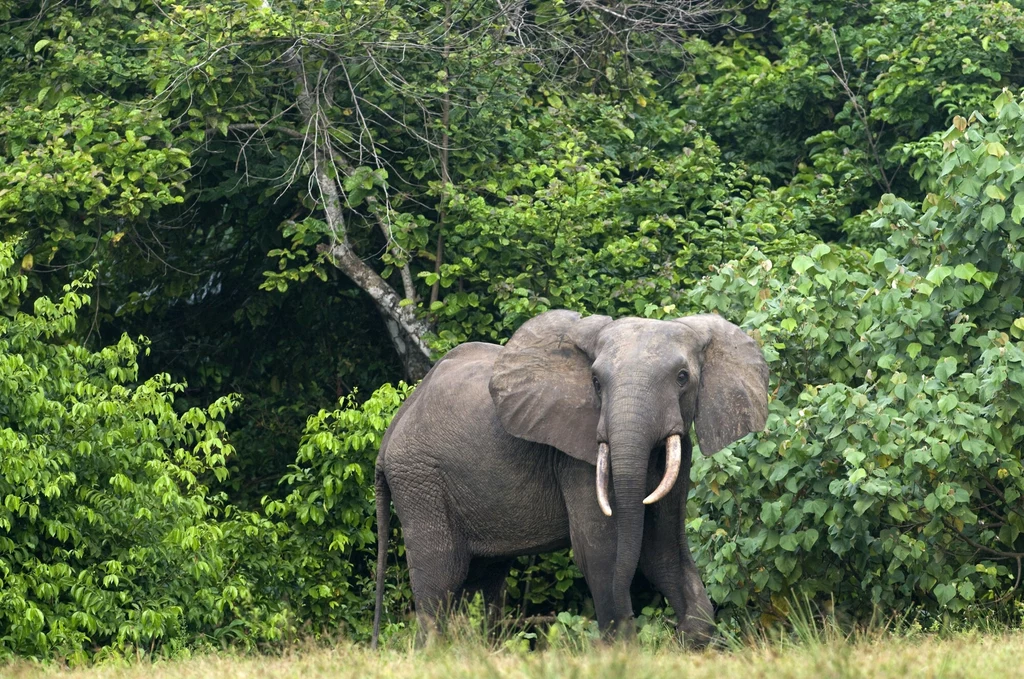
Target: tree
x,y
373,101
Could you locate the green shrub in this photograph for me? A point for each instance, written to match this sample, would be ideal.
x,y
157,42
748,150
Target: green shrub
x,y
619,222
109,538
328,547
889,477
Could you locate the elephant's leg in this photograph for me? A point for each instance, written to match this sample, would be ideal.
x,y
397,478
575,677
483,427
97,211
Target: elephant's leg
x,y
597,561
436,577
487,576
438,562
667,563
594,546
697,623
682,587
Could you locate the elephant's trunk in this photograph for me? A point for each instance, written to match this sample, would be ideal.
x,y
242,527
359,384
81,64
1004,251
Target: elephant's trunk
x,y
630,441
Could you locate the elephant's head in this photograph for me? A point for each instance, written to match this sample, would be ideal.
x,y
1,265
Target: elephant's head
x,y
609,392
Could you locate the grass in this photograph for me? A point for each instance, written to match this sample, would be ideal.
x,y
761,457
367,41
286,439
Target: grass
x,y
990,656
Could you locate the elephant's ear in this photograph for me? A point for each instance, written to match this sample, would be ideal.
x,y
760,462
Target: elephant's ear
x,y
542,385
732,400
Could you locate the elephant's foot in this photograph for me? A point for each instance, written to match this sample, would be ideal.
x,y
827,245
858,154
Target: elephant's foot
x,y
428,630
615,631
696,632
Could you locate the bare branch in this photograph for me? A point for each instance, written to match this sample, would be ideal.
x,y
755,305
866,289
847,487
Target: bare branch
x,y
406,330
263,129
844,81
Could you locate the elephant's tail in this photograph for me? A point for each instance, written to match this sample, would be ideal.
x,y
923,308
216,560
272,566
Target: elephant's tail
x,y
383,495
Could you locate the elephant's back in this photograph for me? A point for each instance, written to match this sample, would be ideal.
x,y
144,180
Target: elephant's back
x,y
453,393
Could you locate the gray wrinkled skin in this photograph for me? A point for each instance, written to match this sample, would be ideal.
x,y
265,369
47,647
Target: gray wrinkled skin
x,y
493,456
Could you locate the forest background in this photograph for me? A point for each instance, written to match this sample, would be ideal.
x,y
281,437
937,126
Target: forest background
x,y
234,231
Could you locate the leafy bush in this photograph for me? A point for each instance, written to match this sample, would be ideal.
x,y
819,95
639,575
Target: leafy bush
x,y
890,473
109,538
610,224
327,520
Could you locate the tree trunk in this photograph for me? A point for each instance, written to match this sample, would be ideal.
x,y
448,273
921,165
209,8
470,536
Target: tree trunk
x,y
405,329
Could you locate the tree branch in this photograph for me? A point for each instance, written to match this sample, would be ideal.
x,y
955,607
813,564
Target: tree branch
x,y
406,330
253,127
855,102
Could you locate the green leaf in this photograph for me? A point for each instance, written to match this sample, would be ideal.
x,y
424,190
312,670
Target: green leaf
x,y
816,507
789,542
994,148
944,592
992,216
878,259
802,263
939,274
945,367
854,456
899,511
770,513
986,278
965,271
785,563
1008,534
41,44
862,505
966,590
994,192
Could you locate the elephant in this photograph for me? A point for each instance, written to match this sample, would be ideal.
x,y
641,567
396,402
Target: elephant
x,y
575,433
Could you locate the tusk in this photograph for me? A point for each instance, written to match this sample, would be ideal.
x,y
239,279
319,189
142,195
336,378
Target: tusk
x,y
603,460
673,457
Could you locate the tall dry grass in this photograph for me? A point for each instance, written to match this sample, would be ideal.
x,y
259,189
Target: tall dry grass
x,y
828,654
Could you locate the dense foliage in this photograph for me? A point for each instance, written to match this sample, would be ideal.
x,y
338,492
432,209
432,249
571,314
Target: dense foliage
x,y
112,539
890,475
108,532
297,202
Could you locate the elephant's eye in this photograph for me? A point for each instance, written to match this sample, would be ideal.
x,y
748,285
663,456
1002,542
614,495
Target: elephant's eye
x,y
597,384
683,377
